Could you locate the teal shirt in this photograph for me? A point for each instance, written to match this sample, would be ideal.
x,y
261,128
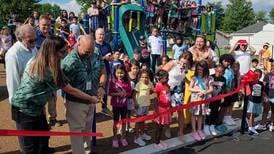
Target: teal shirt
x,y
32,94
83,73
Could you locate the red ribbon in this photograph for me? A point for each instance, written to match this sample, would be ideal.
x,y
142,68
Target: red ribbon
x,y
185,106
248,78
6,132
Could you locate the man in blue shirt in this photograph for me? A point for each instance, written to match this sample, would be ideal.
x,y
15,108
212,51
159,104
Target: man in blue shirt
x,y
42,32
106,52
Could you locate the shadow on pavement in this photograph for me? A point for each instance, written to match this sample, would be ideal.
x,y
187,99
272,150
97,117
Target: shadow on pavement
x,y
12,152
100,117
185,150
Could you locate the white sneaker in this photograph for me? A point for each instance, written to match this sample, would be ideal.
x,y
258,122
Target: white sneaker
x,y
206,130
252,131
260,127
271,128
146,137
160,146
130,130
139,141
212,130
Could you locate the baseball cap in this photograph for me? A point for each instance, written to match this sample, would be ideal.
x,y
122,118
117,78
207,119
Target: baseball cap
x,y
242,42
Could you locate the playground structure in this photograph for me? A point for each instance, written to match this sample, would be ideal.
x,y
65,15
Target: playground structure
x,y
130,33
129,23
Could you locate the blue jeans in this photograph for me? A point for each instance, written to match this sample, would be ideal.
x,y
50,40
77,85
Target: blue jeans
x,y
32,145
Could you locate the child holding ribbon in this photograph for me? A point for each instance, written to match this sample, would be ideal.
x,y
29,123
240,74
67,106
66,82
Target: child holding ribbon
x,y
120,90
162,90
201,88
141,97
255,102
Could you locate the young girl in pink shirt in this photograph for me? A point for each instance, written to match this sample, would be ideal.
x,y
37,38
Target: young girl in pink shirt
x,y
119,90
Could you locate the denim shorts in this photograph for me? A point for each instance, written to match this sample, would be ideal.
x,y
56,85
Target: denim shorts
x,y
142,110
255,108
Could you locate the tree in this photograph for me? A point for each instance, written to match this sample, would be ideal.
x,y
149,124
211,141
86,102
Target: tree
x,y
261,16
220,15
48,8
239,14
85,4
271,14
21,8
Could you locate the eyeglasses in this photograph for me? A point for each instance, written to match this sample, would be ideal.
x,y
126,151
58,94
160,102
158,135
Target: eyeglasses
x,y
31,41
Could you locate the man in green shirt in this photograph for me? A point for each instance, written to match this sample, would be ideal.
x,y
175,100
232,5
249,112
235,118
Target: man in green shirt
x,y
41,78
85,70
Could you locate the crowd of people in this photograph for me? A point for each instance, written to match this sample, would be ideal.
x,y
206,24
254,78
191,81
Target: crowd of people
x,y
44,58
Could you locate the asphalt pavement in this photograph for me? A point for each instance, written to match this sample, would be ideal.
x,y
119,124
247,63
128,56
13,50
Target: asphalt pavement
x,y
234,143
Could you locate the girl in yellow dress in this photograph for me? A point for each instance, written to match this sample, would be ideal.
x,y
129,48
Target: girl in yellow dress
x,y
187,94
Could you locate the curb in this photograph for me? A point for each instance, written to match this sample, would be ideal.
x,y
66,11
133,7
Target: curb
x,y
176,143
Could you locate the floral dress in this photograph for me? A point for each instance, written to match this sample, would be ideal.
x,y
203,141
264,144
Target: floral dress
x,y
204,84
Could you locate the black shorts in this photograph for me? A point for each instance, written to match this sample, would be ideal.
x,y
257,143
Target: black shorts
x,y
119,113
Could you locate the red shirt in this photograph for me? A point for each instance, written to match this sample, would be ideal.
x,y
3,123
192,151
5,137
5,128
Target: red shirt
x,y
163,92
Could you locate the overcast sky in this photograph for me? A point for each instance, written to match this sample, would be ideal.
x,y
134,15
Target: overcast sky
x,y
265,5
71,5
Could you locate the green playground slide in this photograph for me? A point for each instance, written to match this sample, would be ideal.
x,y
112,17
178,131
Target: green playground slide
x,y
130,38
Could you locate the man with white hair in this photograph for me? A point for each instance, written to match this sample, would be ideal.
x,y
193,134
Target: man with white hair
x,y
18,56
16,59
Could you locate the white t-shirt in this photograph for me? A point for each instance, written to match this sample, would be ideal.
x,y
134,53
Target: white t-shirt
x,y
176,75
156,43
244,58
92,10
75,29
